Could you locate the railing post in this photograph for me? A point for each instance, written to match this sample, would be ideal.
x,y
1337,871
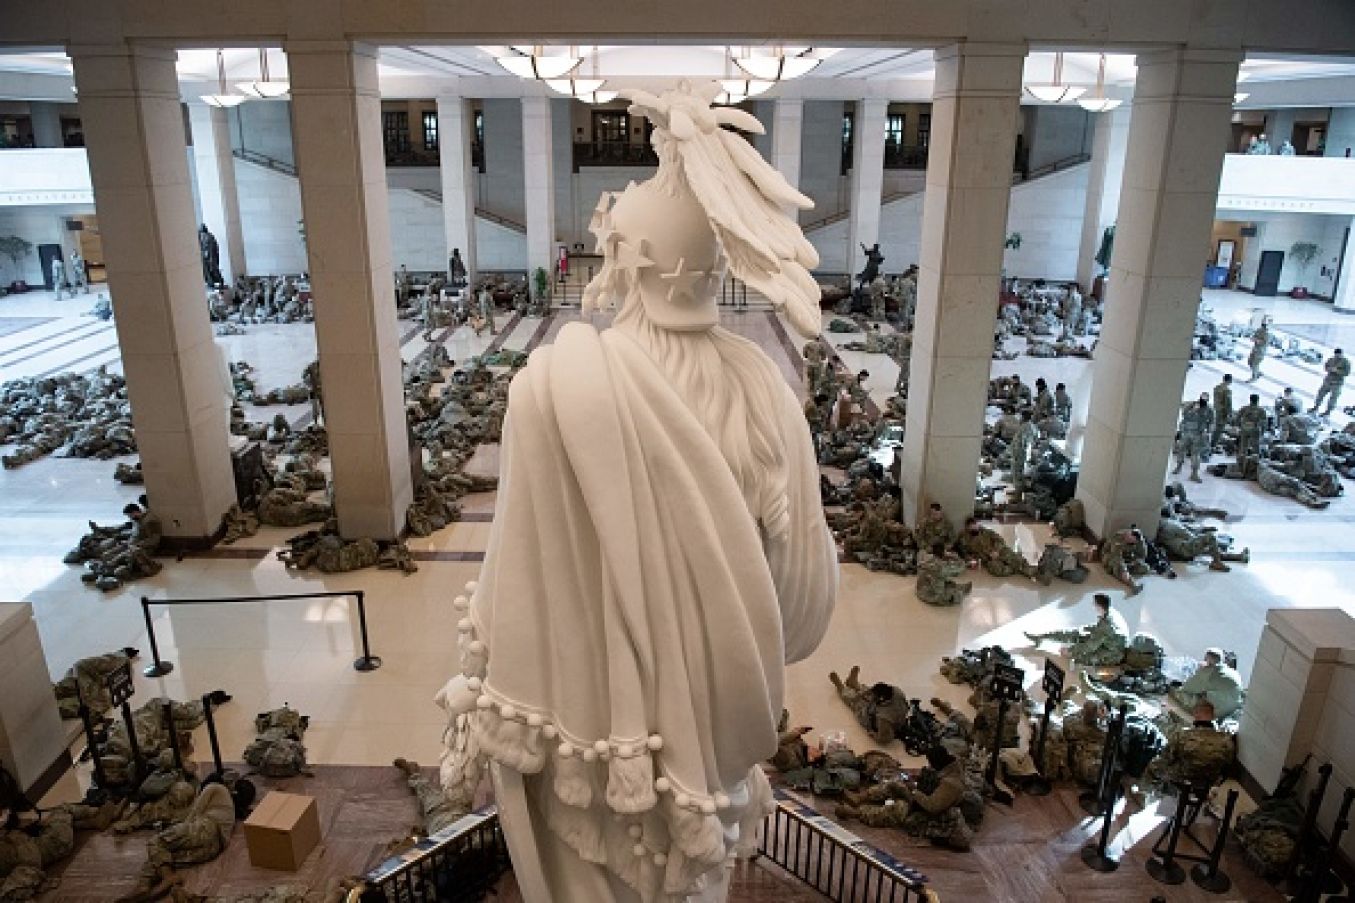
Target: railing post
x,y
217,765
1206,875
158,667
367,662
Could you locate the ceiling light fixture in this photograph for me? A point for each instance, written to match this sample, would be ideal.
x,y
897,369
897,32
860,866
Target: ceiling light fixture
x,y
1099,102
532,62
265,88
223,99
1240,96
781,64
1056,91
588,90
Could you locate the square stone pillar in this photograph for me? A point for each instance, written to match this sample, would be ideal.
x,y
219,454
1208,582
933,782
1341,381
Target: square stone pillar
x,y
1103,188
46,120
216,185
456,131
538,183
138,164
336,116
1178,131
867,180
964,220
1344,299
788,114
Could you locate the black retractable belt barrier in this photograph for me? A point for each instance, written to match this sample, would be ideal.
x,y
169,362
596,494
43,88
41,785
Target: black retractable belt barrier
x,y
1096,856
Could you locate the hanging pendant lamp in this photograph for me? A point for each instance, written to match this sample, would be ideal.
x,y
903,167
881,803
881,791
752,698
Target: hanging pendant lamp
x,y
224,99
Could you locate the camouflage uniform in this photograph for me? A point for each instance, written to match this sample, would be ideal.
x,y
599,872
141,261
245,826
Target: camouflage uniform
x,y
436,809
1260,342
1125,557
1185,544
1103,643
1277,482
1269,834
936,583
1022,443
1197,425
932,531
991,550
200,837
24,857
1337,369
1061,562
1197,753
1251,423
1223,411
936,815
172,807
277,752
88,679
1219,684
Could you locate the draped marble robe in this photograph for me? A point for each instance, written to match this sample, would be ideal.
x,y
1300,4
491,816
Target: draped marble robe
x,y
626,641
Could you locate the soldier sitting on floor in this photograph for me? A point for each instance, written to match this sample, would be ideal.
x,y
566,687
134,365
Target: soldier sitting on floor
x,y
937,814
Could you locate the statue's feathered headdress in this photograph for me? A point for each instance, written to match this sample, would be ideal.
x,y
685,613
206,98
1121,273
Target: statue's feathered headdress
x,y
743,196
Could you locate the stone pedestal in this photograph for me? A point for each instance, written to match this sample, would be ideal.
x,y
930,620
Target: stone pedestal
x,y
964,221
1301,700
867,181
138,163
336,114
31,736
216,186
456,130
1178,132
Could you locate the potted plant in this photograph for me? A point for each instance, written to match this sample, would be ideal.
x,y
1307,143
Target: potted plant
x,y
16,249
1302,253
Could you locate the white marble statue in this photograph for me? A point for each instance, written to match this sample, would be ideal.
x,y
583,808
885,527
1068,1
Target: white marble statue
x,y
658,552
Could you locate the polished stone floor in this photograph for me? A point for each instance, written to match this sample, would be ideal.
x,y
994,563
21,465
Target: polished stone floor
x,y
301,651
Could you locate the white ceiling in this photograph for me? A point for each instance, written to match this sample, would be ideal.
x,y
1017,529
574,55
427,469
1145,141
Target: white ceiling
x,y
427,69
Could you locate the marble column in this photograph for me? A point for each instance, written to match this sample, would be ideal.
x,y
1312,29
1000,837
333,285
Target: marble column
x,y
1178,132
456,132
138,164
867,180
216,185
788,115
1103,188
336,116
964,221
538,184
46,119
1344,299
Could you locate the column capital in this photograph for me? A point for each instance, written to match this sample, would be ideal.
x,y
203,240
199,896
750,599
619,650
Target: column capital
x,y
1187,73
979,70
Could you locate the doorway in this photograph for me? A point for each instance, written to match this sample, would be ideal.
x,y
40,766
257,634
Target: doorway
x,y
47,254
1268,274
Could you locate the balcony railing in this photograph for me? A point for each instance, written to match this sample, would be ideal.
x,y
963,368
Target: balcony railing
x,y
613,153
905,156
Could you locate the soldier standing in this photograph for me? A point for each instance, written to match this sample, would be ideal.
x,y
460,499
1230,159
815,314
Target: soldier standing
x,y
1063,405
1044,400
1197,423
1260,342
1338,368
1251,423
59,277
79,276
1026,434
487,309
1223,408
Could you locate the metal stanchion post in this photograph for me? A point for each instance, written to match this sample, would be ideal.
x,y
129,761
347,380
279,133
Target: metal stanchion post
x,y
1008,686
1315,883
158,666
1096,856
1206,875
95,755
217,765
1292,884
368,662
1166,870
167,716
1053,688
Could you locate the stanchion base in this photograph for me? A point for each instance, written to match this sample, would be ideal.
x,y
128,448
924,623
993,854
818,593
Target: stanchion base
x,y
1165,872
1097,862
158,669
367,663
1038,787
1090,803
1217,883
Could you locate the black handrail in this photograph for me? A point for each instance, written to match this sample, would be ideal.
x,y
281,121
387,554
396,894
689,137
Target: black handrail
x,y
250,156
467,858
462,862
160,667
834,861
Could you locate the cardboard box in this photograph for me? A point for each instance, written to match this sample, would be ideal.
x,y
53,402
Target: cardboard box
x,y
282,830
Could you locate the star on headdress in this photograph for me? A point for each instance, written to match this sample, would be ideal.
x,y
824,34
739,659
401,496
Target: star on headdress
x,y
682,282
602,230
631,257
